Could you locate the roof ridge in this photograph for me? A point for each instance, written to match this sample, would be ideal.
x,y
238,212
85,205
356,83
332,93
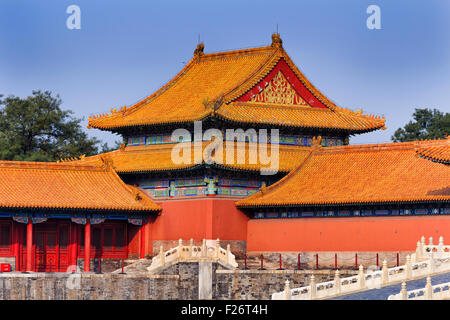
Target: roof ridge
x,y
128,110
48,165
319,95
260,72
137,194
279,106
238,52
407,145
194,60
168,146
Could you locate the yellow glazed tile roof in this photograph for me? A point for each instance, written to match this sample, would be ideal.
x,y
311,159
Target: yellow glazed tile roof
x,y
294,115
68,186
159,158
181,100
211,84
438,153
379,173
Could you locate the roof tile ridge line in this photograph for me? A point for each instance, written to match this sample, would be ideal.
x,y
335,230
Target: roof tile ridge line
x,y
388,146
267,105
38,165
155,94
147,199
129,188
424,143
231,53
344,115
259,72
283,180
155,148
92,157
316,92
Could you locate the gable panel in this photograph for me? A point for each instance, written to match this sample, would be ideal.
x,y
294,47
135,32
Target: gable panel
x,y
281,86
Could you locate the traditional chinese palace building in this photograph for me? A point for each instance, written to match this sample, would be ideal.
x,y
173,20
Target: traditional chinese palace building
x,y
323,194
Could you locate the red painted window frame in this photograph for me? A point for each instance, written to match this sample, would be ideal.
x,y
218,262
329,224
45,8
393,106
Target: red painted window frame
x,y
7,251
102,253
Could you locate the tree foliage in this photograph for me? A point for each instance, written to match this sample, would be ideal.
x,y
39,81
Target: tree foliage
x,y
427,124
37,129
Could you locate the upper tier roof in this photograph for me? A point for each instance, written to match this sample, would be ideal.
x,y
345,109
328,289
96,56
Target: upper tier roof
x,y
68,186
380,173
134,159
260,85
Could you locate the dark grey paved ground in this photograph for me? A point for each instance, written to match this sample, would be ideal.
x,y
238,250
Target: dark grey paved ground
x,y
384,292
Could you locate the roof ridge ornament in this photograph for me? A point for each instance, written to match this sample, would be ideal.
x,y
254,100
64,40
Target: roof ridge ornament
x,y
213,104
276,41
107,162
315,144
198,52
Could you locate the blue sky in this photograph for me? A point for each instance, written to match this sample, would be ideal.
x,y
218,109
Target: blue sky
x,y
125,50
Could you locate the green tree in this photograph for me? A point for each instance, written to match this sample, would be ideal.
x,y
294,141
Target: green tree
x,y
37,129
427,124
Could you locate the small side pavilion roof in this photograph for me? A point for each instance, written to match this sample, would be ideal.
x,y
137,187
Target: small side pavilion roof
x,y
34,185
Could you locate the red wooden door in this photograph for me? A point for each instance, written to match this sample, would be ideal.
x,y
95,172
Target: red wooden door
x,y
46,251
50,248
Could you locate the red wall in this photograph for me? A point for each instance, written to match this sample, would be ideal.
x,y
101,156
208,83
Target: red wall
x,y
345,234
133,236
209,218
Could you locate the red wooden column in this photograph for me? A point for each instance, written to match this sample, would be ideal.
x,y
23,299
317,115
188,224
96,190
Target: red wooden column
x,y
29,244
16,239
142,230
87,246
73,245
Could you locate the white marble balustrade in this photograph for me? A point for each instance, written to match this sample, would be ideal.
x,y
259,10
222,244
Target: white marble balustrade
x,y
428,259
210,250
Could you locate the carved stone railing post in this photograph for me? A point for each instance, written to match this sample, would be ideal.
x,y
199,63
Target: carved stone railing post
x,y
431,263
204,253
162,256
287,291
312,285
228,253
180,248
217,248
431,245
440,249
419,251
384,273
362,283
428,289
408,274
403,292
337,282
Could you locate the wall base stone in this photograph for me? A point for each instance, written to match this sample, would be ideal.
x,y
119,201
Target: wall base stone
x,y
179,281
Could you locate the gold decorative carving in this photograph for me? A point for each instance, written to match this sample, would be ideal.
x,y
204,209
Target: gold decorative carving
x,y
279,91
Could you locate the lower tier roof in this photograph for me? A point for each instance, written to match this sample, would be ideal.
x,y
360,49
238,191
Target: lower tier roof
x,y
135,159
360,174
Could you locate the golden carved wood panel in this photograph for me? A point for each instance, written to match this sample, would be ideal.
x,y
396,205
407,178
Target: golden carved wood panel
x,y
279,91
